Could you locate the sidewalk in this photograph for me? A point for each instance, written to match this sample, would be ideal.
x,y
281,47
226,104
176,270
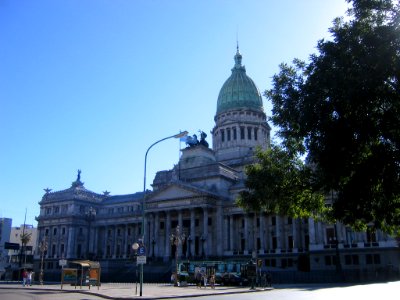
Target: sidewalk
x,y
131,290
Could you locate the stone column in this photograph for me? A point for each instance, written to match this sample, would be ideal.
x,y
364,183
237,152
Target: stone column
x,y
125,242
254,232
180,224
192,231
226,233
311,231
105,241
219,219
246,233
114,242
71,242
156,229
205,231
278,232
262,232
231,228
294,234
167,235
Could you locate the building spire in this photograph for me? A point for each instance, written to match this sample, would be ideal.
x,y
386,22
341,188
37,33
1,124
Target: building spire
x,y
238,56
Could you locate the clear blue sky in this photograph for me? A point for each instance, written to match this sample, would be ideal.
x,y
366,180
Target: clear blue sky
x,y
91,84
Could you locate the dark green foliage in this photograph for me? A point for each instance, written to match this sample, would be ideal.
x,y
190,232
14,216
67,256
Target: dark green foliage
x,y
280,184
342,109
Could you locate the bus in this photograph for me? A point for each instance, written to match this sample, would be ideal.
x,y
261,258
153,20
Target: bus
x,y
226,272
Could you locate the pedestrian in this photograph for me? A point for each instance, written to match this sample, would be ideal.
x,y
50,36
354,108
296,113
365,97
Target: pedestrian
x,y
29,278
24,277
173,279
212,281
269,279
205,280
198,279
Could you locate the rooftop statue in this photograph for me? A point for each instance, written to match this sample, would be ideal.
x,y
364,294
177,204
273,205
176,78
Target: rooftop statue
x,y
192,141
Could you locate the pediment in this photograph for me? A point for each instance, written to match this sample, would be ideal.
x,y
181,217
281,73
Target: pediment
x,y
173,192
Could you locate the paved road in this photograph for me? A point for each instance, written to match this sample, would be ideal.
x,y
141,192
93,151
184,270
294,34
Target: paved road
x,y
21,294
376,291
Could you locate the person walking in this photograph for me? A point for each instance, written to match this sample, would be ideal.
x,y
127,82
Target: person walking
x,y
24,277
29,278
205,280
212,281
198,279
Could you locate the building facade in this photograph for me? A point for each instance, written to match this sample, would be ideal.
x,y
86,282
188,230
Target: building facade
x,y
198,197
5,230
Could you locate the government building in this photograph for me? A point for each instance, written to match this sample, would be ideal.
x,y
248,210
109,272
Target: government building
x,y
190,214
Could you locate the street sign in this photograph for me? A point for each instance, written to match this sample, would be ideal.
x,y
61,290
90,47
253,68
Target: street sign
x,y
62,262
141,251
141,260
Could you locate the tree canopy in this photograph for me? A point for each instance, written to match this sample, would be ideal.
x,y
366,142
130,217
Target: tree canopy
x,y
280,184
342,110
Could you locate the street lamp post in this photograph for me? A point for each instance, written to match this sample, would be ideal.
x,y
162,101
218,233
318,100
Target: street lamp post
x,y
43,249
90,216
143,229
177,239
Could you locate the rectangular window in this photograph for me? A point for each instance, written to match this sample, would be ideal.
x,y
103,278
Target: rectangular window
x,y
63,231
255,133
234,133
174,223
377,259
222,135
273,221
355,260
228,133
328,260
209,222
274,243
242,133
273,263
368,259
162,225
290,242
249,133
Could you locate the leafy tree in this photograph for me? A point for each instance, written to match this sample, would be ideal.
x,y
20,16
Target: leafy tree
x,y
279,183
342,109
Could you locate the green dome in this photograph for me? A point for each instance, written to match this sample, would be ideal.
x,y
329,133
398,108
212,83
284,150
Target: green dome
x,y
239,90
